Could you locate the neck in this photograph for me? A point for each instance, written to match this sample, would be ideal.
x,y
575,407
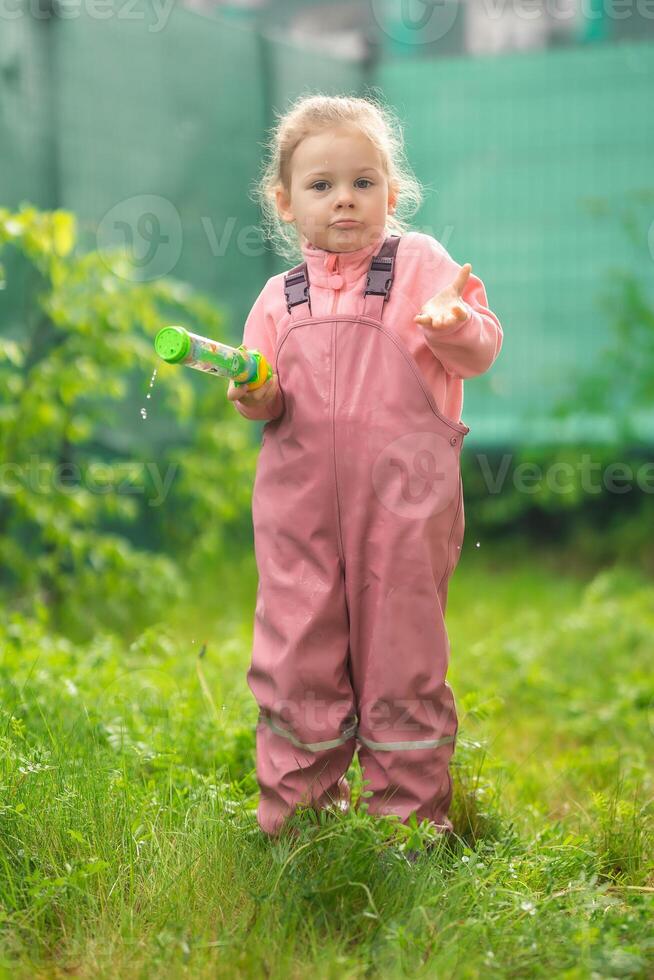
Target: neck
x,y
323,264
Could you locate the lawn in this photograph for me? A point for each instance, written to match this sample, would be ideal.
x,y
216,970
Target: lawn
x,y
128,840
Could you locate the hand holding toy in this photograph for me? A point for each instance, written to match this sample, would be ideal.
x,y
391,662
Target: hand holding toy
x,y
251,398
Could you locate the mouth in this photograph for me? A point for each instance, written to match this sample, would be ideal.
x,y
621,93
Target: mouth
x,y
345,223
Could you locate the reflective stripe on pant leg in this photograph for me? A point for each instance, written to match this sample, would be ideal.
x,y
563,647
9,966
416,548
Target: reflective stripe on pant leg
x,y
426,743
310,746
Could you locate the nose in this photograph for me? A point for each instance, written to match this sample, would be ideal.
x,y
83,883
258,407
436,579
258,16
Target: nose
x,y
344,197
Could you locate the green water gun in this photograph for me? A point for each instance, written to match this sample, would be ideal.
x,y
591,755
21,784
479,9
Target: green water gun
x,y
243,365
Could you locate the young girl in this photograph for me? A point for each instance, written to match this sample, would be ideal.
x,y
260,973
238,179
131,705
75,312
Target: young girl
x,y
357,502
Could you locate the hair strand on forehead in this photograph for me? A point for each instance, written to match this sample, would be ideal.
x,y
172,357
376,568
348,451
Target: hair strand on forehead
x,y
310,114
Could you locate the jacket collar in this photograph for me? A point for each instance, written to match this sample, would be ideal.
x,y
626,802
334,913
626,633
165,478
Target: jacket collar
x,y
322,264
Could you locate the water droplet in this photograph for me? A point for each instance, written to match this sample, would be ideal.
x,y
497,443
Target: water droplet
x,y
144,413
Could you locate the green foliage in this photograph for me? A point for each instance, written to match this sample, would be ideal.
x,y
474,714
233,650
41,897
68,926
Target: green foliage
x,y
127,802
620,382
65,510
207,513
594,499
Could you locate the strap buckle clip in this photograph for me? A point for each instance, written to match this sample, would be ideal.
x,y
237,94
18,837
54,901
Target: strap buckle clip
x,y
380,276
296,289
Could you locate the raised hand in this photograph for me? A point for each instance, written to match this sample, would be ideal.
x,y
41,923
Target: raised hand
x,y
446,308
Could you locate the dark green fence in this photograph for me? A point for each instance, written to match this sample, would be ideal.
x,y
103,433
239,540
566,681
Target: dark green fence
x,y
152,134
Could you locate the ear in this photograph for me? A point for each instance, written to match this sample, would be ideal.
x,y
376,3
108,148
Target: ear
x,y
283,204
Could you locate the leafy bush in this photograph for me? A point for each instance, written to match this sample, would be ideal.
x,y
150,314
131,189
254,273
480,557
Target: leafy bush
x,y
66,512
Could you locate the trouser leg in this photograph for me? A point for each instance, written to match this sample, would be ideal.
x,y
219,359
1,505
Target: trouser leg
x,y
291,777
400,652
300,677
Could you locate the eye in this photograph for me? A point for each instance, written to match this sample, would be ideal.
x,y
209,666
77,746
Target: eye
x,y
319,185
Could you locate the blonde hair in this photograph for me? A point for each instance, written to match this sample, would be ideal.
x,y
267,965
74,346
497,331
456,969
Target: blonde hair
x,y
309,114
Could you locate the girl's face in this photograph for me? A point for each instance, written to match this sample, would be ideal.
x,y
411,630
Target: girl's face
x,y
337,175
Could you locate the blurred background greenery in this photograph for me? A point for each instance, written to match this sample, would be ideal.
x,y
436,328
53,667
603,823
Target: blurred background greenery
x,y
130,144
532,138
124,213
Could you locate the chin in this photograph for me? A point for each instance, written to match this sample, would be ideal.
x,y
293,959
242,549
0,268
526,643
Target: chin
x,y
349,234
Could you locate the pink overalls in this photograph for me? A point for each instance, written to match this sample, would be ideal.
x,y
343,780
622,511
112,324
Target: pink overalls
x,y
358,524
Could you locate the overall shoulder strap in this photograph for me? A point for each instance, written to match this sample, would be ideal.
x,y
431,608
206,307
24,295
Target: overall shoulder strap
x,y
380,278
378,283
296,291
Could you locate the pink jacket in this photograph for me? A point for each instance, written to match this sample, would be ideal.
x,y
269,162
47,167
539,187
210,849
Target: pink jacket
x,y
422,268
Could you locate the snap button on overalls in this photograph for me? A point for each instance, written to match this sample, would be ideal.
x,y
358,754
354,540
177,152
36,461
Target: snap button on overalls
x,y
358,520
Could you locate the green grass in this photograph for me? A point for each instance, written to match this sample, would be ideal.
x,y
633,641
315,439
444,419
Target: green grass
x,y
128,840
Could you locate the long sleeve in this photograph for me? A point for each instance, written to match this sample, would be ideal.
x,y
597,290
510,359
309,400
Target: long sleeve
x,y
260,333
468,348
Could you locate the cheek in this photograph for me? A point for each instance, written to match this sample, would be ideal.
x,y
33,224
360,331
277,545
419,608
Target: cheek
x,y
313,203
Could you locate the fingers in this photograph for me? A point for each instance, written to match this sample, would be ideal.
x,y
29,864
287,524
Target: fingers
x,y
457,313
460,311
233,393
461,278
244,394
447,306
